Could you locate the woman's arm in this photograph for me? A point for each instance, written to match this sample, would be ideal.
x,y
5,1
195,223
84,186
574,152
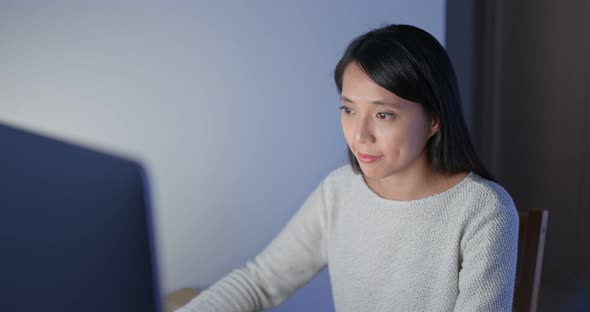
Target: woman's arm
x,y
291,259
488,266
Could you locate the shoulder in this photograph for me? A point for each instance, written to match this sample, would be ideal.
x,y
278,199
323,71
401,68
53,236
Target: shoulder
x,y
340,177
339,181
494,191
488,202
343,172
484,194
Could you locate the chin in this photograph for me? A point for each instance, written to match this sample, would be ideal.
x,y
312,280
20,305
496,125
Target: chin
x,y
373,172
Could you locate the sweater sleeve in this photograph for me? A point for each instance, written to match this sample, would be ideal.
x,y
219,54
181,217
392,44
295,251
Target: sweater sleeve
x,y
488,261
289,261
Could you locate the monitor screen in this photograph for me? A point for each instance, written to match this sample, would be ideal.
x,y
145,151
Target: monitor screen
x,y
75,228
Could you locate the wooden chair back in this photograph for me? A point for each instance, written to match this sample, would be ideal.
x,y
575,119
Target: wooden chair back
x,y
531,244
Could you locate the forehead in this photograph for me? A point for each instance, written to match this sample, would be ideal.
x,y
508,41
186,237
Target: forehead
x,y
357,86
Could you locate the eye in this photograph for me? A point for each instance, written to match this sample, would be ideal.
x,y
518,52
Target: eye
x,y
384,115
345,109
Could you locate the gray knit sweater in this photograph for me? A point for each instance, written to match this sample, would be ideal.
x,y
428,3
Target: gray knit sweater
x,y
453,251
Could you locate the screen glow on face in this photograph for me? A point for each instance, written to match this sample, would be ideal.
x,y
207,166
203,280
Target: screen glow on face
x,y
377,122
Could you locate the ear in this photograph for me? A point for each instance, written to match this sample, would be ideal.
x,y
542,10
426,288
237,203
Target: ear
x,y
434,125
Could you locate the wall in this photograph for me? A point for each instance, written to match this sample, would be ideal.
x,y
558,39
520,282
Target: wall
x,y
545,77
460,32
230,104
532,109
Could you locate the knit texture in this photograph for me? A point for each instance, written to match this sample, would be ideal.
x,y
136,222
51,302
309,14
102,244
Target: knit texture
x,y
453,251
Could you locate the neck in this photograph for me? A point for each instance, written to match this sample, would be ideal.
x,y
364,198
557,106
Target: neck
x,y
413,183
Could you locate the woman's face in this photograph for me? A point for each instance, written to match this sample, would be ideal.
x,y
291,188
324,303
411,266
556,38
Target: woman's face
x,y
379,123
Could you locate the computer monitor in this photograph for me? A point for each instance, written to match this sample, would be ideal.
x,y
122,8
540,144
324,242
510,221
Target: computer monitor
x,y
75,228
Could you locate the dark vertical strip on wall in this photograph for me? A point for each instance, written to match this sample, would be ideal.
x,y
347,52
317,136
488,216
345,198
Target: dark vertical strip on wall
x,y
527,66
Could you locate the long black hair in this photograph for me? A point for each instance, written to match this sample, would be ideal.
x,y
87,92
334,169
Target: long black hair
x,y
412,64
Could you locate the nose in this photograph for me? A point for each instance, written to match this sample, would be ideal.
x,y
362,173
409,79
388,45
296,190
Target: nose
x,y
364,131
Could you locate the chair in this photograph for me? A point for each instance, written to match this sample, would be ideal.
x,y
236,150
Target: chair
x,y
531,243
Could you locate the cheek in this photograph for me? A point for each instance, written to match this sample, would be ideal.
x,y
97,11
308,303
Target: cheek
x,y
417,138
389,132
402,139
346,130
394,142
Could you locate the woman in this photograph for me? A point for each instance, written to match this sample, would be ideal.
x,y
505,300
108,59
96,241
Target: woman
x,y
414,222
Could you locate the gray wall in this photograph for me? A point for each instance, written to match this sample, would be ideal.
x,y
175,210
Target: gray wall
x,y
230,104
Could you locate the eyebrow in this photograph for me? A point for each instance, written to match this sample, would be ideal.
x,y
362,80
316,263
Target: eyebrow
x,y
378,102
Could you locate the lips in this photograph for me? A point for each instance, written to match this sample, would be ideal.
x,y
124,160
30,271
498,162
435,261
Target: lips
x,y
367,158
